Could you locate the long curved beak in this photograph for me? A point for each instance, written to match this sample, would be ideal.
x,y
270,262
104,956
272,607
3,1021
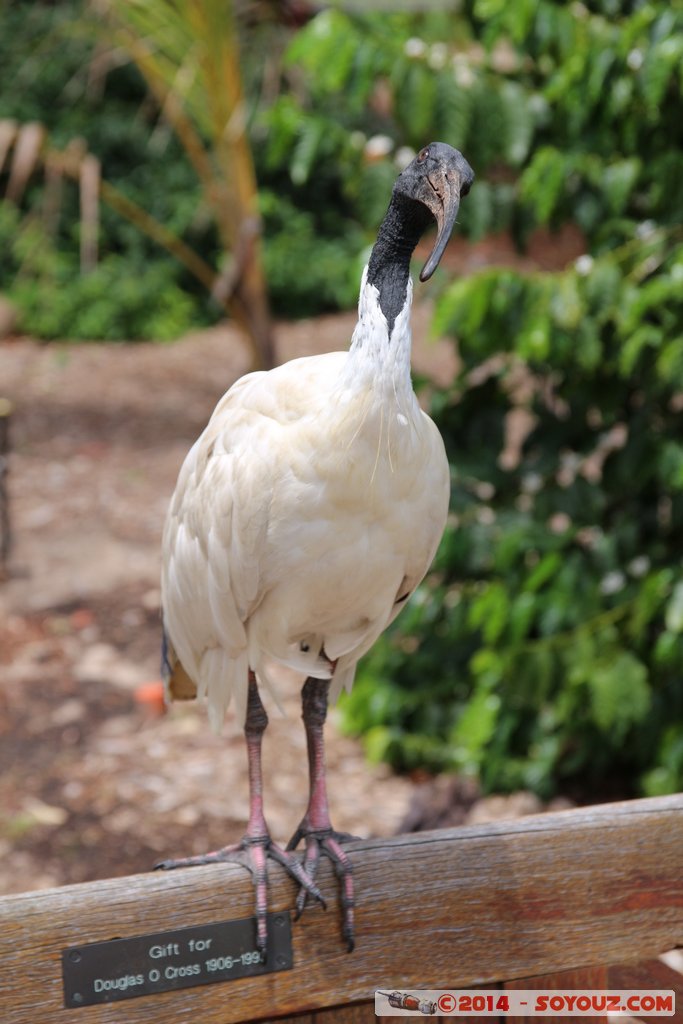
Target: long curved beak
x,y
444,206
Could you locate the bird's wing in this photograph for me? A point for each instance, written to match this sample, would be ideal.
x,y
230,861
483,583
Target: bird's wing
x,y
214,531
416,535
217,525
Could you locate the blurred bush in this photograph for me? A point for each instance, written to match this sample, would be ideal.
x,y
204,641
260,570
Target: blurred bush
x,y
545,650
51,72
331,110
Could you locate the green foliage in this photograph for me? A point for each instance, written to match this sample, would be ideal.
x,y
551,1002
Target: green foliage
x,y
137,291
331,267
115,302
405,78
545,649
112,303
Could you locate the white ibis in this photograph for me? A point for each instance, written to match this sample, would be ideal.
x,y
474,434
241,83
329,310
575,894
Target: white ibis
x,y
303,518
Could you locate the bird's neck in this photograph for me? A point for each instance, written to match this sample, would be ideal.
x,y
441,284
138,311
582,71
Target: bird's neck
x,y
379,358
389,264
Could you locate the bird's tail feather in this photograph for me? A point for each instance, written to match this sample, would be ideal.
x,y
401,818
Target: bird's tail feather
x,y
222,678
265,677
178,685
219,679
342,679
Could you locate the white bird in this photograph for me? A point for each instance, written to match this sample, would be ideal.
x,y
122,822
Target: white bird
x,y
304,516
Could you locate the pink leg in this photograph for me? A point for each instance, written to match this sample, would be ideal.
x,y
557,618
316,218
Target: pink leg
x,y
316,827
256,846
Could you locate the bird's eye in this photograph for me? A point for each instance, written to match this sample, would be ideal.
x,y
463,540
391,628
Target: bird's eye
x,y
303,646
422,155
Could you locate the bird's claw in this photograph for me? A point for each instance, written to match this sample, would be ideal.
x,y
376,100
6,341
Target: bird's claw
x,y
253,853
328,842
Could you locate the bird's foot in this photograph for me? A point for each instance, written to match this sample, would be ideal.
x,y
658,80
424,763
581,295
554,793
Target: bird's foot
x,y
253,853
328,842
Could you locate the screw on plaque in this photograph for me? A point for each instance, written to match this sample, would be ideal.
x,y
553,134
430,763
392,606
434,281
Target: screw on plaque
x,y
280,960
75,956
77,997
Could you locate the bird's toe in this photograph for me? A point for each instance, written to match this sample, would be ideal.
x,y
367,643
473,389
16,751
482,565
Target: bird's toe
x,y
310,867
294,868
343,869
253,853
329,843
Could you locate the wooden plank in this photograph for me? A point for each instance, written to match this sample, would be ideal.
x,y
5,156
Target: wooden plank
x,y
647,975
446,909
352,1013
652,974
585,979
355,1013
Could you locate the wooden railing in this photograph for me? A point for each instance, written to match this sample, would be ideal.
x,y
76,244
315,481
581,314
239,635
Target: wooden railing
x,y
477,906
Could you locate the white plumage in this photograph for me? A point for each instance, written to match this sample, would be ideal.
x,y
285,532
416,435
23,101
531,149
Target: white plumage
x,y
312,503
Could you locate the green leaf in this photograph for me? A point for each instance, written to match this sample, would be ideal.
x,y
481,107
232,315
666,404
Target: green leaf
x,y
548,566
619,694
619,181
668,775
648,336
670,362
453,111
416,99
671,466
521,616
312,132
542,183
325,48
659,67
474,729
476,216
566,305
533,340
463,307
488,667
520,122
489,612
674,610
668,649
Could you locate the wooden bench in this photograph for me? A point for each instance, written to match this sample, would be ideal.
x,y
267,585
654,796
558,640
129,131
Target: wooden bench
x,y
488,905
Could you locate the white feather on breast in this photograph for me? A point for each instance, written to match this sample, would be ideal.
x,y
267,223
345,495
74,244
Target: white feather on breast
x,y
317,492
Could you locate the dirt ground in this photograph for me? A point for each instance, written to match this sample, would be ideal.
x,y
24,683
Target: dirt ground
x,y
94,781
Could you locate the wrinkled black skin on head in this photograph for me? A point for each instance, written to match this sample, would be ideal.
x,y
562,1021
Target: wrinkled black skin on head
x,y
410,212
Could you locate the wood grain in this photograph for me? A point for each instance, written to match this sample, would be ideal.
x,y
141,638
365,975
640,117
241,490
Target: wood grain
x,y
450,909
584,979
647,975
652,974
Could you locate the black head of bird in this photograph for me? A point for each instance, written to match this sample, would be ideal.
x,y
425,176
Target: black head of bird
x,y
437,177
429,189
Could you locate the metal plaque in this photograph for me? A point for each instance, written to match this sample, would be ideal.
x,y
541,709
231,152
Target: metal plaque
x,y
105,972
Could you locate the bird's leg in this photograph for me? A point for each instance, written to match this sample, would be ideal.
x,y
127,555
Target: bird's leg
x,y
316,827
256,845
